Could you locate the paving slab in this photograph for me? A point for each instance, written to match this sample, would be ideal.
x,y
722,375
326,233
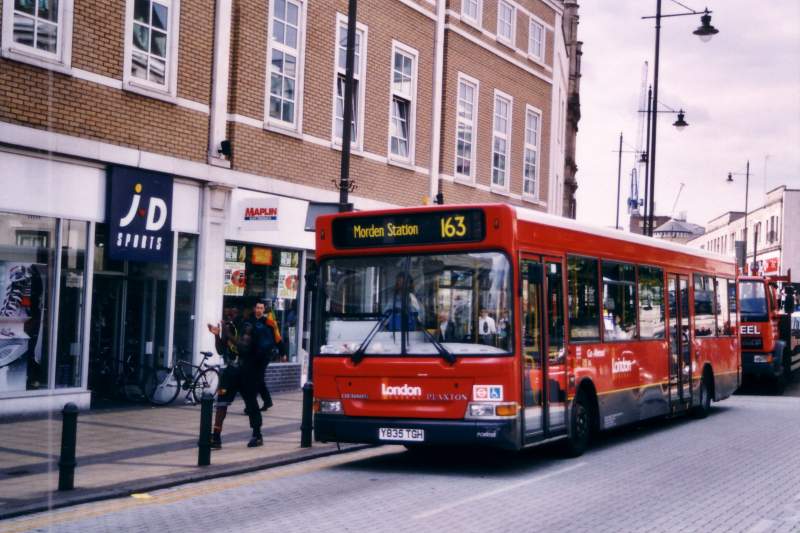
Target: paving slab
x,y
122,451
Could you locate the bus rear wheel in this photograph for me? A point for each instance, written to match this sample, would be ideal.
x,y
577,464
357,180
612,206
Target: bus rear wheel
x,y
580,426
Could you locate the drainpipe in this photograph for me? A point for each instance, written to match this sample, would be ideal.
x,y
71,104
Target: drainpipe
x,y
435,190
217,131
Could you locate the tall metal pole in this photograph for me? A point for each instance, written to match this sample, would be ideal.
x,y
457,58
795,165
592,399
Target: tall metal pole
x,y
652,154
344,180
647,162
746,196
619,177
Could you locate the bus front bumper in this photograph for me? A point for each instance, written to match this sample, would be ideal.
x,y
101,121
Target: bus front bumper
x,y
503,434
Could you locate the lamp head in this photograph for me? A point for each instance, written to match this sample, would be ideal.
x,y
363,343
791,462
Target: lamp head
x,y
643,157
680,123
706,31
730,177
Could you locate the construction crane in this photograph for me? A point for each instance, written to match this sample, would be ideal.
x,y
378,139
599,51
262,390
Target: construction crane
x,y
634,202
677,197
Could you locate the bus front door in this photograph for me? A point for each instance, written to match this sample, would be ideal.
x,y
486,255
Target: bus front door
x,y
543,357
680,363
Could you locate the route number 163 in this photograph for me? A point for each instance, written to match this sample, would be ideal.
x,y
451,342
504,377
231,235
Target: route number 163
x,y
453,227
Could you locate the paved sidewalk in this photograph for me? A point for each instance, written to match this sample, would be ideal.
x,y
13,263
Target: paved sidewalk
x,y
133,449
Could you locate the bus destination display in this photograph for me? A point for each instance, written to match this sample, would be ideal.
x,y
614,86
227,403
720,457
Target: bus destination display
x,y
414,228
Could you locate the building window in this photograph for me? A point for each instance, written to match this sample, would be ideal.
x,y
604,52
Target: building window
x,y
403,94
530,171
151,46
38,32
536,40
471,11
358,86
285,64
465,126
506,13
500,140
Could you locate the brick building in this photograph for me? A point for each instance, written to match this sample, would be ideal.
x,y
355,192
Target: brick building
x,y
233,114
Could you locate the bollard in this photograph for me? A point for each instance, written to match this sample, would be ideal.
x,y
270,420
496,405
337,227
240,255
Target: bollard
x,y
69,434
307,423
204,442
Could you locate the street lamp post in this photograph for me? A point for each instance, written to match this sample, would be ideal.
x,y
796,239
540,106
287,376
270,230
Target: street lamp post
x,y
746,195
705,32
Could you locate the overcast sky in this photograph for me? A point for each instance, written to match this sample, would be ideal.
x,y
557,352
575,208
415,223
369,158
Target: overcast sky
x,y
740,91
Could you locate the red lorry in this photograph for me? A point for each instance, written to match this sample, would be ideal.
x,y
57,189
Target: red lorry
x,y
768,341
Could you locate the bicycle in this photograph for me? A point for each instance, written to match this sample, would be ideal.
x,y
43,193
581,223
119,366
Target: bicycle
x,y
164,385
121,380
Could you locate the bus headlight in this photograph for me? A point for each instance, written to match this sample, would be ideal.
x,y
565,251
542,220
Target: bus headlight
x,y
330,407
481,409
492,410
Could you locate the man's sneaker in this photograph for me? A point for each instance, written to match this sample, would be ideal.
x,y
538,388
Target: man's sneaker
x,y
266,406
255,441
216,441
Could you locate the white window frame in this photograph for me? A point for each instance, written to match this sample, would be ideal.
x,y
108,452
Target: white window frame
x,y
168,91
510,41
400,48
536,147
474,21
356,143
538,55
295,126
473,123
505,135
60,61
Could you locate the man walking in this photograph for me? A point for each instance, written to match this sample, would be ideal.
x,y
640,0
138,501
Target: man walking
x,y
236,378
267,338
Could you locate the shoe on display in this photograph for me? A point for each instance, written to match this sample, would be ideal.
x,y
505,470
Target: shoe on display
x,y
256,441
216,441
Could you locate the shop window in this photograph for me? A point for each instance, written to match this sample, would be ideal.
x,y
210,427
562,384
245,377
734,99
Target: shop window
x,y
584,316
71,302
704,319
619,301
27,268
651,303
185,287
256,273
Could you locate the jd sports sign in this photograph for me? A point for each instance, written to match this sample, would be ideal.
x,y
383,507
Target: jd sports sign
x,y
139,215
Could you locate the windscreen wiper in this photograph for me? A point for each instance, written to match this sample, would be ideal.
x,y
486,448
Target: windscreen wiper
x,y
358,355
444,352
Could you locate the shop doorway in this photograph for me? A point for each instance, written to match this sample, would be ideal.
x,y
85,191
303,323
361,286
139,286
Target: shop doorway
x,y
129,321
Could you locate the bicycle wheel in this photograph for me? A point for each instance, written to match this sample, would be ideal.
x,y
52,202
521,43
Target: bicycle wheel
x,y
207,381
161,387
132,387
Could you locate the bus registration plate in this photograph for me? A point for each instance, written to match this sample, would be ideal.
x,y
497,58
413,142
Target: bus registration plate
x,y
402,434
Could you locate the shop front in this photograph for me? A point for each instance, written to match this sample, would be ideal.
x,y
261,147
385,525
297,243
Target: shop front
x,y
73,310
265,258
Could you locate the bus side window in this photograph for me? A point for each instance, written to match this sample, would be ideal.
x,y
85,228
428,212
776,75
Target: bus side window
x,y
704,318
651,303
584,313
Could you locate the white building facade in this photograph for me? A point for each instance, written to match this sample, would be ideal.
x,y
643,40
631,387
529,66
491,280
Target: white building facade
x,y
772,234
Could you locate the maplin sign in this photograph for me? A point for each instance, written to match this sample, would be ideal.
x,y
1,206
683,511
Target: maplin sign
x,y
139,215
